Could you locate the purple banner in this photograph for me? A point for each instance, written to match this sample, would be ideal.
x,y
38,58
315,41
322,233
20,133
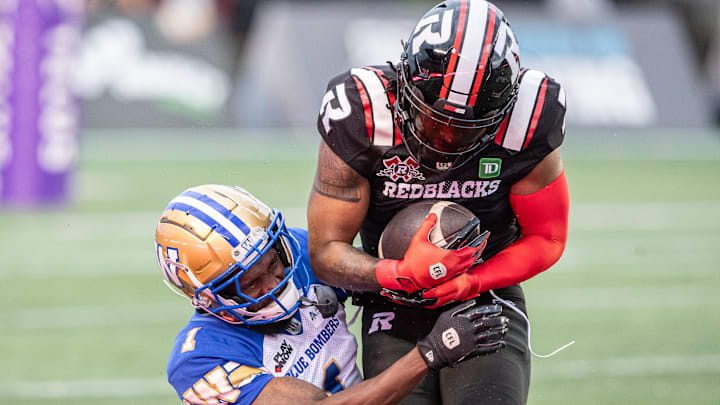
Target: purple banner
x,y
38,112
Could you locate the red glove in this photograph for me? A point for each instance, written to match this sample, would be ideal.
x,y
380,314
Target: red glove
x,y
461,288
424,265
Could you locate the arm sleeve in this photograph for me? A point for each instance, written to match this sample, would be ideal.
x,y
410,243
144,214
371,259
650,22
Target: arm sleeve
x,y
543,217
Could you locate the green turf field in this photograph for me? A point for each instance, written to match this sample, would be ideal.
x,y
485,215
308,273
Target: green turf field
x,y
85,318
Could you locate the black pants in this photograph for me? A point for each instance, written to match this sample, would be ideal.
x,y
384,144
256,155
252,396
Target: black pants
x,y
390,331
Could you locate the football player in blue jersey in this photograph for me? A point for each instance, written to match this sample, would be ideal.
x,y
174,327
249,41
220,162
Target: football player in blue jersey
x,y
266,330
459,119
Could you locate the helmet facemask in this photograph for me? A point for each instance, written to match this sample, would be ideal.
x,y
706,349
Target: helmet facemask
x,y
279,303
441,141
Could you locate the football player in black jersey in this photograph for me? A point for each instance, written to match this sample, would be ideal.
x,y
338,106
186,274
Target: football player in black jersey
x,y
456,119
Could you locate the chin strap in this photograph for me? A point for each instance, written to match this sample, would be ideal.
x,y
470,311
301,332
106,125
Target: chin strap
x,y
325,300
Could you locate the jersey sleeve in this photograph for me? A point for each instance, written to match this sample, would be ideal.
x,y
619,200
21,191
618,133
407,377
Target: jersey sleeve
x,y
536,126
213,360
550,131
204,380
345,124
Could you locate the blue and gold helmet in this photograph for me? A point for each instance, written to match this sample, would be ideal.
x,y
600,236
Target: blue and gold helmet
x,y
210,236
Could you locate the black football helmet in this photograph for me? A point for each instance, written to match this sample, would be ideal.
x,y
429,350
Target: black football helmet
x,y
457,81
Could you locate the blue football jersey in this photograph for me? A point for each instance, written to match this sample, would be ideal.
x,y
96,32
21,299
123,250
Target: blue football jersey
x,y
213,361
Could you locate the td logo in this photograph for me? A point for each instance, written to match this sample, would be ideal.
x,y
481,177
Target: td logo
x,y
489,168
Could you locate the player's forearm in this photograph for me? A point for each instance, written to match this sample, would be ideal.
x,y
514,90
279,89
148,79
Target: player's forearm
x,y
341,264
338,204
389,387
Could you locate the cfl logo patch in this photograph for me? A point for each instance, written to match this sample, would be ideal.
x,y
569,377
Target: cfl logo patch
x,y
437,271
450,338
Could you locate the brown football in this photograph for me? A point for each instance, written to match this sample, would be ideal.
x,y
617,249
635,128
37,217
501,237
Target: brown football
x,y
396,236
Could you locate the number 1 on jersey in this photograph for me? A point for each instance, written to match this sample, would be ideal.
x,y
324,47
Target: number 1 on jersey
x,y
189,344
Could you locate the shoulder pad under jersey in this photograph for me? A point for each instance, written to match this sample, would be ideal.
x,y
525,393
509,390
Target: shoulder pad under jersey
x,y
356,119
538,117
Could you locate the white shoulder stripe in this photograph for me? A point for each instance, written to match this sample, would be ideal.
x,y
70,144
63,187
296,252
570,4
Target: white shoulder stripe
x,y
522,112
384,130
471,52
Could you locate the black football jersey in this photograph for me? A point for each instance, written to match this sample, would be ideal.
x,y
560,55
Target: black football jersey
x,y
357,122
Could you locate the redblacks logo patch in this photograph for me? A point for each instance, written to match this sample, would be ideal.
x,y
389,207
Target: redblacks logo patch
x,y
397,169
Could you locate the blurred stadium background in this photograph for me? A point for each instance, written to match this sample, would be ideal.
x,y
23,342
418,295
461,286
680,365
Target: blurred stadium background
x,y
110,108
